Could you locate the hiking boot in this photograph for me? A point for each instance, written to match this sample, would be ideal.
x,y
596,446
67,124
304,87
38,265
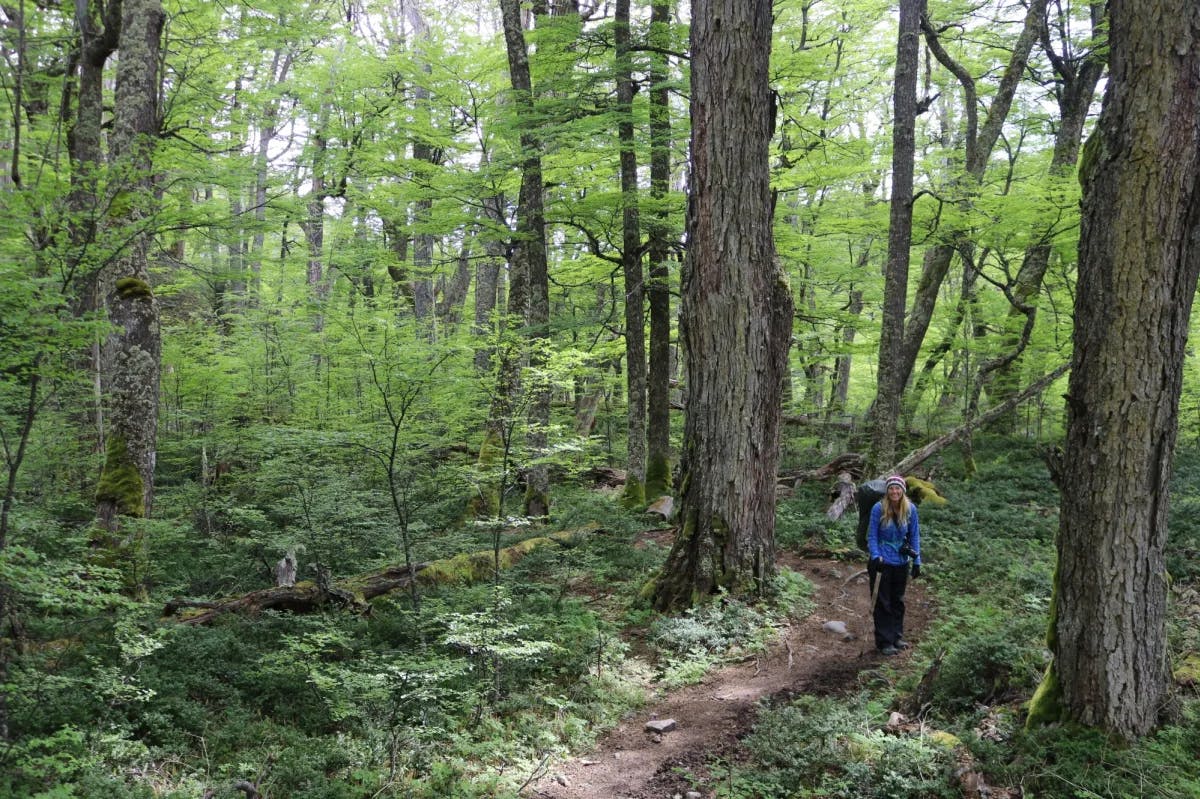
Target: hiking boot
x,y
902,644
889,650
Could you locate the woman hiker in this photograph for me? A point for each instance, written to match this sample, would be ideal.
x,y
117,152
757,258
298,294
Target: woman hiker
x,y
894,535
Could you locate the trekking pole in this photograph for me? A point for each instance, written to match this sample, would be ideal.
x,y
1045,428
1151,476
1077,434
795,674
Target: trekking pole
x,y
874,589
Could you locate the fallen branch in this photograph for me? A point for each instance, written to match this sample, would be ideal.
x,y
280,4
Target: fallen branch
x,y
918,456
852,462
356,592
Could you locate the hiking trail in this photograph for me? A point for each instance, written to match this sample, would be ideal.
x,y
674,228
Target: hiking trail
x,y
629,762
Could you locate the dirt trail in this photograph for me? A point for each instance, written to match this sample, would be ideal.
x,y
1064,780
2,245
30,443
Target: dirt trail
x,y
630,763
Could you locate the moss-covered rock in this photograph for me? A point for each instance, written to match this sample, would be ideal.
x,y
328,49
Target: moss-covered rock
x,y
1187,672
922,492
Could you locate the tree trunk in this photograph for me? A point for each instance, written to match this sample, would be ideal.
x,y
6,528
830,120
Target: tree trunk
x,y
314,227
425,155
737,316
487,284
1138,267
979,142
530,251
1078,76
892,377
658,383
131,356
631,265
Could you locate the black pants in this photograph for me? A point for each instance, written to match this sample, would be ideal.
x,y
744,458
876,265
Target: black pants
x,y
889,605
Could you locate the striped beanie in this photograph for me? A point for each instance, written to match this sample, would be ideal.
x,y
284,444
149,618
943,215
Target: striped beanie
x,y
895,480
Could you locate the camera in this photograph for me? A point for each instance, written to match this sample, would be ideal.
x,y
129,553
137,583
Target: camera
x,y
906,551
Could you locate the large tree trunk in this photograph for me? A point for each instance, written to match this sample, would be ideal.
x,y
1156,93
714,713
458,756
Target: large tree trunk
x,y
631,265
98,30
737,316
131,356
1138,266
892,376
658,379
530,252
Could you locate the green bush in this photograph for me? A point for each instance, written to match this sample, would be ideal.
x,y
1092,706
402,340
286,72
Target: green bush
x,y
822,747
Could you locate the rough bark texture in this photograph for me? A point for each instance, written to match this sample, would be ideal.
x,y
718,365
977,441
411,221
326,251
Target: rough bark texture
x,y
891,378
131,356
737,312
530,253
1138,265
658,396
631,266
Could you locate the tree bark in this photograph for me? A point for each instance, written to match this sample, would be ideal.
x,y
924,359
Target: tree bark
x,y
631,266
530,257
892,376
737,316
658,379
1138,267
131,356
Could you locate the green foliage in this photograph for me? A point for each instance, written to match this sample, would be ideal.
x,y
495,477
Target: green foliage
x,y
713,627
827,747
1065,762
995,664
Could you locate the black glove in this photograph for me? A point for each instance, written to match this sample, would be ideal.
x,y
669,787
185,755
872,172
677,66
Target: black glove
x,y
916,570
875,565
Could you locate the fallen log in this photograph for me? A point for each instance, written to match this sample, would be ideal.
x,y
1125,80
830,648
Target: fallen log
x,y
356,592
852,462
842,494
918,456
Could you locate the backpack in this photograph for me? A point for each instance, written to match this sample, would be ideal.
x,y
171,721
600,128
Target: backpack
x,y
865,497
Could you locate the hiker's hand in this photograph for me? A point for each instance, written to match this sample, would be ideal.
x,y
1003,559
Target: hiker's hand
x,y
875,566
916,570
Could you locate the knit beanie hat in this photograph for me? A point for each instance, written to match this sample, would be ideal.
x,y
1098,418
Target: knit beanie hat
x,y
895,480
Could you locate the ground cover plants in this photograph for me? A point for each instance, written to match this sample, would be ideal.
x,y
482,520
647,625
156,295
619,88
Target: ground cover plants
x,y
479,689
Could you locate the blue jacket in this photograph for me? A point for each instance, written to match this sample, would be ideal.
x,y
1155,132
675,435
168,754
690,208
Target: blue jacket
x,y
884,540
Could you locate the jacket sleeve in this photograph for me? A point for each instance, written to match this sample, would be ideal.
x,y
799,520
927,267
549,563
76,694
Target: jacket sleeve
x,y
914,534
873,532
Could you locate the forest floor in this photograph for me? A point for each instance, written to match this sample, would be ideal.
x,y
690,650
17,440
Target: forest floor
x,y
630,763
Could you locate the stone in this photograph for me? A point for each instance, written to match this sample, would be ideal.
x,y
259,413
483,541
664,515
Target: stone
x,y
562,780
835,627
664,506
660,725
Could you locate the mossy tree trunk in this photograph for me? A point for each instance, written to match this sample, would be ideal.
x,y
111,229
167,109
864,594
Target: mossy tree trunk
x,y
737,316
131,356
1138,267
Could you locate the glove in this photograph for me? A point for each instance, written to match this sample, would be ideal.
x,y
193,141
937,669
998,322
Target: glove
x,y
875,565
916,570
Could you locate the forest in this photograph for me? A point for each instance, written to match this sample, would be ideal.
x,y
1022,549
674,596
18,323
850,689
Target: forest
x,y
419,398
